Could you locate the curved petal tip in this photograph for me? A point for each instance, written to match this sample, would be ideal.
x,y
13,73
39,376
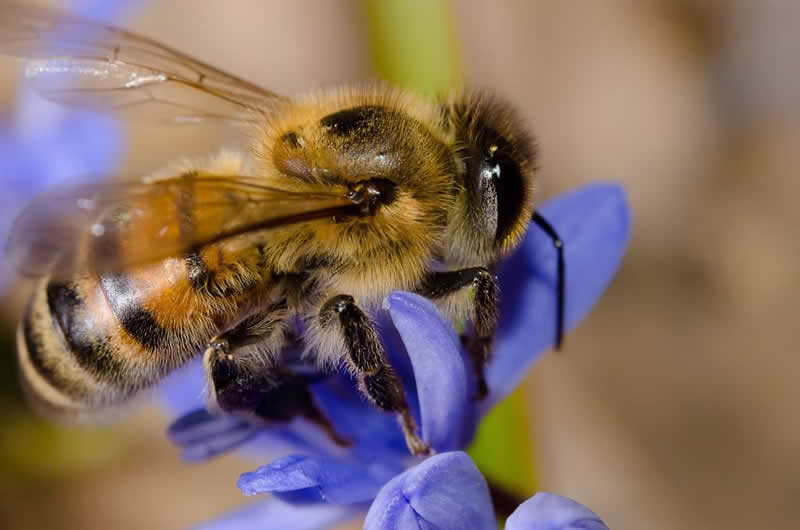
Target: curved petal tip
x,y
547,511
303,479
446,492
440,375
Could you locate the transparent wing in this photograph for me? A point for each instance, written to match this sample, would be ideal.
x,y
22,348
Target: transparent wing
x,y
79,62
111,226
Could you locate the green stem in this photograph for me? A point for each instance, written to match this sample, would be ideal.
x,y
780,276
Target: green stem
x,y
413,44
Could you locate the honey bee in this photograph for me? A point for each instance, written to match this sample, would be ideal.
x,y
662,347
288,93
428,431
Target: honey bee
x,y
342,197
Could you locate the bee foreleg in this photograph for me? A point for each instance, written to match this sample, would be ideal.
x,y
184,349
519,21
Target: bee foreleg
x,y
484,314
366,356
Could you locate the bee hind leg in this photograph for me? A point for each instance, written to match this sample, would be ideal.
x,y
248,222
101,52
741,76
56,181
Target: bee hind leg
x,y
227,370
437,285
377,379
263,391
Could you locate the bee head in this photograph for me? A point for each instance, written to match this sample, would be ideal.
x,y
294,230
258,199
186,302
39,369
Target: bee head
x,y
498,163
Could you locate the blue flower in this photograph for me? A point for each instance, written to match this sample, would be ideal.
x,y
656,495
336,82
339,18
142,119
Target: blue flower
x,y
43,144
330,481
443,492
448,492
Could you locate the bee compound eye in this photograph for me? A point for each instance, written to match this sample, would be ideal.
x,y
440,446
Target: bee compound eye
x,y
502,194
504,190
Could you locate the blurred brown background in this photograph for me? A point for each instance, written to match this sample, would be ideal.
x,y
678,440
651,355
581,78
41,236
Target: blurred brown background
x,y
672,407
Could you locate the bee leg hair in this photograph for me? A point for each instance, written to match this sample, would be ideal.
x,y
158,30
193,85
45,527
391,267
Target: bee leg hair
x,y
377,379
485,311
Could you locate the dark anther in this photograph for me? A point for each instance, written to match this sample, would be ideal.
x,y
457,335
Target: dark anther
x,y
370,194
542,223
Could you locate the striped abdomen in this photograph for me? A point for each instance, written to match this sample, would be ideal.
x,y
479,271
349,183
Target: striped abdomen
x,y
86,345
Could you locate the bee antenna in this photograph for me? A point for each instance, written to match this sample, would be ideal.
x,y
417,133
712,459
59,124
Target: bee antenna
x,y
545,225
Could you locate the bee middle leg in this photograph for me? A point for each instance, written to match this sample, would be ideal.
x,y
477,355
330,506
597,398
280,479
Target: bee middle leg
x,y
437,285
378,381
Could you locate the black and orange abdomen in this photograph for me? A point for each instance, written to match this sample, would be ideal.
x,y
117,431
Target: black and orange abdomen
x,y
89,344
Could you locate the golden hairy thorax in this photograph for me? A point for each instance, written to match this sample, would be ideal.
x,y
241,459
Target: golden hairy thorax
x,y
335,140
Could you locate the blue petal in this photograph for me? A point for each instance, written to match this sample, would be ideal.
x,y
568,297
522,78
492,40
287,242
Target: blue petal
x,y
375,434
202,435
76,146
316,479
594,223
547,511
103,10
277,515
182,390
444,492
440,376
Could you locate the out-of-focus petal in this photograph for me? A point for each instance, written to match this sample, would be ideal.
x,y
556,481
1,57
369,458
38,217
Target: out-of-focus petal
x,y
547,511
439,373
274,514
202,435
104,10
594,223
184,389
77,145
445,492
315,478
